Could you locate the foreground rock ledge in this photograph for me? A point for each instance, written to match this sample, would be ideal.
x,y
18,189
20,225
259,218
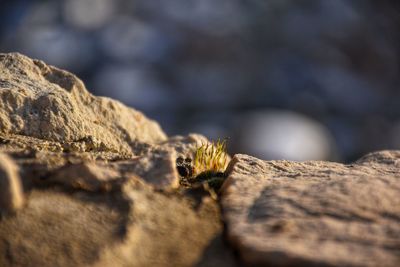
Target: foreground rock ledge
x,y
87,181
281,213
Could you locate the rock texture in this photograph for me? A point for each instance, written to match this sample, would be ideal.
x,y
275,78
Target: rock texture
x,y
135,226
281,213
87,181
44,102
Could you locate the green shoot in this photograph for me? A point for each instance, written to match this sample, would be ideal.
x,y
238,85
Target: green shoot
x,y
210,157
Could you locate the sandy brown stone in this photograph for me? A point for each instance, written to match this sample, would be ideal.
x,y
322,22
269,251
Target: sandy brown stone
x,y
100,180
185,146
88,176
281,213
166,230
59,229
11,192
44,102
135,227
156,168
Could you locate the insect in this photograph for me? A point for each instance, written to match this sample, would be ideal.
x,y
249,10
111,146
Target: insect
x,y
184,166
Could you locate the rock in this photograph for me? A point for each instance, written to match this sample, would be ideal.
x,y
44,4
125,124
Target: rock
x,y
48,113
165,230
314,213
156,168
101,188
60,229
100,180
11,191
185,146
134,227
86,175
44,102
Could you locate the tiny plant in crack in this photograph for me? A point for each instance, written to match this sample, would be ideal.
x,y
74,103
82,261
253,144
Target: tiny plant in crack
x,y
210,157
208,165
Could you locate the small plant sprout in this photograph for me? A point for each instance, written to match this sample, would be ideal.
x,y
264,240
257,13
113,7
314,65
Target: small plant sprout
x,y
207,169
210,158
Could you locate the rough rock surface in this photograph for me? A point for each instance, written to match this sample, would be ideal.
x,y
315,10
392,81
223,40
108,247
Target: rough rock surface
x,y
281,213
87,181
99,180
42,101
135,226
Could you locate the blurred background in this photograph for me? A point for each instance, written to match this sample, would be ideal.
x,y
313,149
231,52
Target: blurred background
x,y
283,79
